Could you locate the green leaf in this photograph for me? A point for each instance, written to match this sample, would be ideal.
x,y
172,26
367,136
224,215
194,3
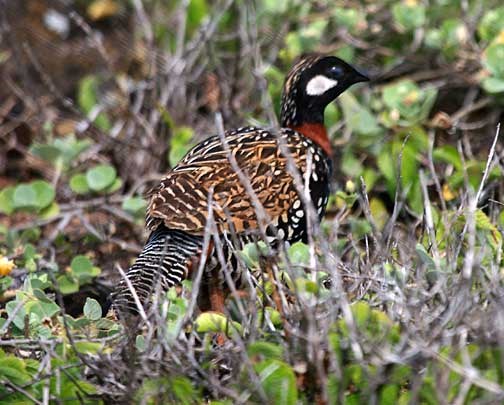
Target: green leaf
x,y
409,16
306,286
493,237
389,394
51,211
92,309
350,165
299,254
429,97
35,195
79,184
370,176
274,6
491,24
24,197
358,118
274,315
67,284
379,212
448,154
14,370
61,151
215,322
88,99
100,177
116,185
5,284
81,265
7,200
251,253
19,316
304,39
39,294
493,85
424,256
266,349
196,11
140,343
134,205
88,347
184,390
350,18
87,93
453,33
45,193
360,227
386,164
180,144
38,310
361,312
344,198
278,381
49,153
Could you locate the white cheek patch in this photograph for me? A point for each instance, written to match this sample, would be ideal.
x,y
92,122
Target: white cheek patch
x,y
319,85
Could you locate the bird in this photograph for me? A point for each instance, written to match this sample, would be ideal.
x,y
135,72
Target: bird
x,y
233,173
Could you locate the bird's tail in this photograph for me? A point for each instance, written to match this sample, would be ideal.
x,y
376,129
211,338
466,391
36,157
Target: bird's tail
x,y
165,261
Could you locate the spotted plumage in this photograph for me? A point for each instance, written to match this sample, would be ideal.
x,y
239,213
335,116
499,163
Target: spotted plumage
x,y
261,194
181,199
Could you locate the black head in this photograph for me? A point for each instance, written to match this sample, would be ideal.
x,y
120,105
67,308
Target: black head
x,y
314,82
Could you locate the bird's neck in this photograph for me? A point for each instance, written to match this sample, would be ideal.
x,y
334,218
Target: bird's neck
x,y
317,132
307,121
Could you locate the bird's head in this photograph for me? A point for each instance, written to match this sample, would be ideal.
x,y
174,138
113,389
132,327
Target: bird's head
x,y
313,82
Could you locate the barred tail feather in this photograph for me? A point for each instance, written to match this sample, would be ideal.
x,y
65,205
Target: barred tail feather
x,y
163,260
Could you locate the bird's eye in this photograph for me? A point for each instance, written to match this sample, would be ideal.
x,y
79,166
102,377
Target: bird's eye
x,y
336,71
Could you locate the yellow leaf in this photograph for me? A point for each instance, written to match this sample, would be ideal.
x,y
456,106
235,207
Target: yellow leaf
x,y
100,9
500,38
448,194
411,98
350,186
379,212
6,266
411,3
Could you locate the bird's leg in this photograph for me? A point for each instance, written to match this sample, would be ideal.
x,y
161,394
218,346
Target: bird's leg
x,y
216,295
216,292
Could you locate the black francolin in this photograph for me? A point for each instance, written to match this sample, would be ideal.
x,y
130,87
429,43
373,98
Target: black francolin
x,y
179,205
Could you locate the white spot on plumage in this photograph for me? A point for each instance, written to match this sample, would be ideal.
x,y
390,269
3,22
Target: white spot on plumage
x,y
319,85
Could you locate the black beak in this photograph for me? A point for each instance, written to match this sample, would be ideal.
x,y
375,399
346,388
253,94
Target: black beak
x,y
360,77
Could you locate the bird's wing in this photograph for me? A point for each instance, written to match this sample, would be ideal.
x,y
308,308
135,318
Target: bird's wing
x,y
181,199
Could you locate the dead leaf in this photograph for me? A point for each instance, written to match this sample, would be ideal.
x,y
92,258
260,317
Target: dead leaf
x,y
100,9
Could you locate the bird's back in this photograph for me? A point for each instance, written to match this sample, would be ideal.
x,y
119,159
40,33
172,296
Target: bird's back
x,y
247,173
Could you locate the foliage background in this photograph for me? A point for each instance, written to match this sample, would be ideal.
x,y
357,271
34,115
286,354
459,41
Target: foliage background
x,y
100,97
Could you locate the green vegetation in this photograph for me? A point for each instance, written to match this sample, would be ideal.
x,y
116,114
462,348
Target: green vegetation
x,y
398,298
